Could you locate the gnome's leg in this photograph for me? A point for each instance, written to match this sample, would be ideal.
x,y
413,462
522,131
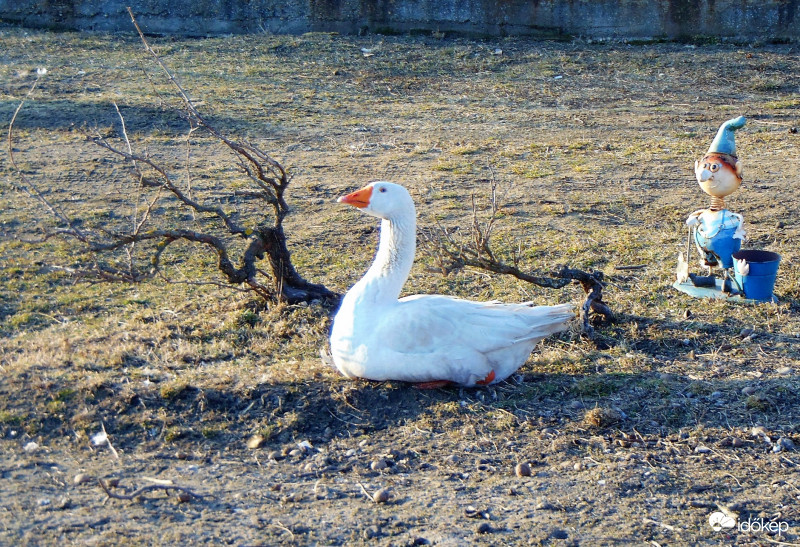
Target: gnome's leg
x,y
730,285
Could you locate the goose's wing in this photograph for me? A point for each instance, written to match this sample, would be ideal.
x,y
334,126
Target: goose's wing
x,y
428,323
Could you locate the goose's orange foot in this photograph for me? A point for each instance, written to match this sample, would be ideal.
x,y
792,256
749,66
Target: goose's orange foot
x,y
488,380
436,384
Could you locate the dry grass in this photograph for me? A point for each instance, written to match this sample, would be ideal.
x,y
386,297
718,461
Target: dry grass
x,y
593,146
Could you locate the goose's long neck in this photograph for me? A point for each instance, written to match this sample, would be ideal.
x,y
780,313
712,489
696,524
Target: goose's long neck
x,y
395,257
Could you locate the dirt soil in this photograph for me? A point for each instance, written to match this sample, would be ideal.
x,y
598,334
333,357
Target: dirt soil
x,y
221,406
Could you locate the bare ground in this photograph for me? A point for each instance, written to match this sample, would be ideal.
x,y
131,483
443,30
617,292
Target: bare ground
x,y
677,409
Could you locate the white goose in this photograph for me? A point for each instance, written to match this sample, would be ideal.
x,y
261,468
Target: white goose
x,y
431,340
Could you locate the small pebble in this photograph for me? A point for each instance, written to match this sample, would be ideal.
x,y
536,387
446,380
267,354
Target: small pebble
x,y
112,483
522,470
559,534
64,503
275,455
183,497
748,390
786,443
737,442
43,502
452,459
759,430
745,333
296,453
578,466
700,449
690,355
785,371
378,465
548,431
381,496
182,455
484,528
688,313
321,491
255,441
372,532
31,447
716,395
81,478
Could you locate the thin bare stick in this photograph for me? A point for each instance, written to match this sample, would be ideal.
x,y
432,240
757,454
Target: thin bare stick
x,y
279,524
108,442
243,150
165,181
364,491
28,187
149,488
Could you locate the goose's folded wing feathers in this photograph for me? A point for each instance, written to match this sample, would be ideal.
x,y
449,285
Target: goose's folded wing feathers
x,y
424,323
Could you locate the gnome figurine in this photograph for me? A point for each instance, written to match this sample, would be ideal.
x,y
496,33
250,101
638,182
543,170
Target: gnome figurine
x,y
716,231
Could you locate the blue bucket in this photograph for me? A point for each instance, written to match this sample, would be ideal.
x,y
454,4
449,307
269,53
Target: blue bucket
x,y
759,282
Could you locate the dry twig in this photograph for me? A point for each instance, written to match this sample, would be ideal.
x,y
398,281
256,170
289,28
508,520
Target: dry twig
x,y
149,488
451,256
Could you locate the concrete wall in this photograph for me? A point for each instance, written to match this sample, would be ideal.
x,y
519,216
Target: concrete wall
x,y
740,20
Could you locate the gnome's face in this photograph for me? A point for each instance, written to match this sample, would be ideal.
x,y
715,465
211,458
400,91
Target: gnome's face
x,y
719,175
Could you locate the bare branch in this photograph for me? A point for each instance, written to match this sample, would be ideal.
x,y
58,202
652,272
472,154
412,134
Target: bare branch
x,y
254,162
451,256
134,251
27,186
165,181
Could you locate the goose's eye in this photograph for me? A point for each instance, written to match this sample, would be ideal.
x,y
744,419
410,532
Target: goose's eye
x,y
382,190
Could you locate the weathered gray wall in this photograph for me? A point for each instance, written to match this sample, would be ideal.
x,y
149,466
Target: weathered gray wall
x,y
728,19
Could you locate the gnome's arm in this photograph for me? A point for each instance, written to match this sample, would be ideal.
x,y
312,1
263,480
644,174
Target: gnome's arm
x,y
694,218
739,233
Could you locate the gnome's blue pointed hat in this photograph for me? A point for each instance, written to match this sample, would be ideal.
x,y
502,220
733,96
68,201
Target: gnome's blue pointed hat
x,y
724,142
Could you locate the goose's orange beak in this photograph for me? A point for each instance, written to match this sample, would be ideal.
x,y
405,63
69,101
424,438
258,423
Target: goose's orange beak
x,y
359,198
